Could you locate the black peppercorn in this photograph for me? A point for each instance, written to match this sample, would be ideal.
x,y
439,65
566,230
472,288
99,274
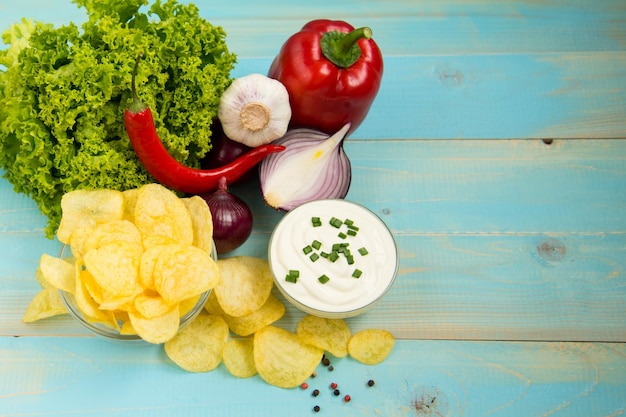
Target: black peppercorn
x,y
316,408
370,383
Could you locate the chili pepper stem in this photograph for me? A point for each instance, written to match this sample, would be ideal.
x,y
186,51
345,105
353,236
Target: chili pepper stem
x,y
341,48
136,106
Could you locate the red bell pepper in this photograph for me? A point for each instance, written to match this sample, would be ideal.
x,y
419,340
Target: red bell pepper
x,y
332,73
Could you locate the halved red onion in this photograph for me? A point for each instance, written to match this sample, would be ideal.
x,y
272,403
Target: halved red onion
x,y
313,166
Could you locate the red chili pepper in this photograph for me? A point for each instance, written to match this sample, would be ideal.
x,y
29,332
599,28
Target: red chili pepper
x,y
332,73
166,169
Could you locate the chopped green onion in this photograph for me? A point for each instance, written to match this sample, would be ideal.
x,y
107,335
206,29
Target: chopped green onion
x,y
335,222
291,279
323,279
357,273
316,222
316,244
348,222
342,235
292,276
333,256
307,249
350,259
314,257
363,251
324,254
355,228
351,232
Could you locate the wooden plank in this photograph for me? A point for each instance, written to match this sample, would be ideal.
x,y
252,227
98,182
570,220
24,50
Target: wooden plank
x,y
91,377
514,240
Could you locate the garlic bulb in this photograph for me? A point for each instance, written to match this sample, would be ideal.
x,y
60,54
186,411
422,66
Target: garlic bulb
x,y
313,166
254,110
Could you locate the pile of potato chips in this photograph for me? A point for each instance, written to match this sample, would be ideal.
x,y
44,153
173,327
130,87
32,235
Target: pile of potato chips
x,y
243,305
140,260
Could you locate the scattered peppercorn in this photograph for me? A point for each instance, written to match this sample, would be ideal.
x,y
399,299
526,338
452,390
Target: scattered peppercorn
x,y
314,374
331,368
304,385
315,392
333,385
325,361
316,408
370,383
347,398
336,392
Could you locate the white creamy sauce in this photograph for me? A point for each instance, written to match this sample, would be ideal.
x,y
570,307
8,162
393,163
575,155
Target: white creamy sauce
x,y
343,292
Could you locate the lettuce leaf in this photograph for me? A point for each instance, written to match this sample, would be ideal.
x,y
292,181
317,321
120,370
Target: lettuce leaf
x,y
63,91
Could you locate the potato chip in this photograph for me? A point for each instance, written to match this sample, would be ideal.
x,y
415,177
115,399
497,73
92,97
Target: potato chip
x,y
371,346
282,359
88,208
161,217
115,267
201,222
151,305
212,306
332,335
40,279
78,239
146,266
198,347
130,200
245,286
111,232
157,329
58,272
238,357
47,303
183,271
188,304
269,312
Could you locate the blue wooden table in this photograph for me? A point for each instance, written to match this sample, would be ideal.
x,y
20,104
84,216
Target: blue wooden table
x,y
494,151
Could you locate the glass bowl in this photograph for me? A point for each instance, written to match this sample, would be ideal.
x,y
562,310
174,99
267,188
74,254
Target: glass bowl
x,y
333,258
110,333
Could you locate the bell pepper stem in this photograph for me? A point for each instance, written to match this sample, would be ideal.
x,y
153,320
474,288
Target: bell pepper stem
x,y
341,48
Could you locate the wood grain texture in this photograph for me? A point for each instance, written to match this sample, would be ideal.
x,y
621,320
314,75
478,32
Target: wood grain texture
x,y
64,376
511,293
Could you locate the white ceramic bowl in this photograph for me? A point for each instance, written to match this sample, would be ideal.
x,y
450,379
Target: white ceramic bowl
x,y
293,247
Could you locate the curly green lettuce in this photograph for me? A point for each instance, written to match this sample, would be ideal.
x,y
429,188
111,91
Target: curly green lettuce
x,y
63,91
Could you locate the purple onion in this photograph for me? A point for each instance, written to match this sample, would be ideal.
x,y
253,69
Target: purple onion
x,y
232,219
313,166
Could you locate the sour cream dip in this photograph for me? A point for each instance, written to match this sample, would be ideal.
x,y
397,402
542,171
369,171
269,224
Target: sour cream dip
x,y
332,258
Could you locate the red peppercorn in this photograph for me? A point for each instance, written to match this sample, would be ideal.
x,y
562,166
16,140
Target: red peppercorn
x,y
333,385
304,385
347,398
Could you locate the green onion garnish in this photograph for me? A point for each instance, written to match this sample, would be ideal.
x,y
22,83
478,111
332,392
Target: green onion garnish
x,y
357,273
351,232
316,222
307,249
363,251
333,256
350,259
323,279
314,257
335,222
342,235
348,222
316,244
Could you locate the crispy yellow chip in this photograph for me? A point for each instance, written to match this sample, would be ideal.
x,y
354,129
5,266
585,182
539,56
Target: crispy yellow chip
x,y
161,217
151,305
332,335
88,208
371,346
85,301
40,279
47,303
238,357
269,312
115,267
58,272
282,359
130,200
212,306
198,347
146,266
157,329
245,286
183,271
111,232
78,239
188,304
201,221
